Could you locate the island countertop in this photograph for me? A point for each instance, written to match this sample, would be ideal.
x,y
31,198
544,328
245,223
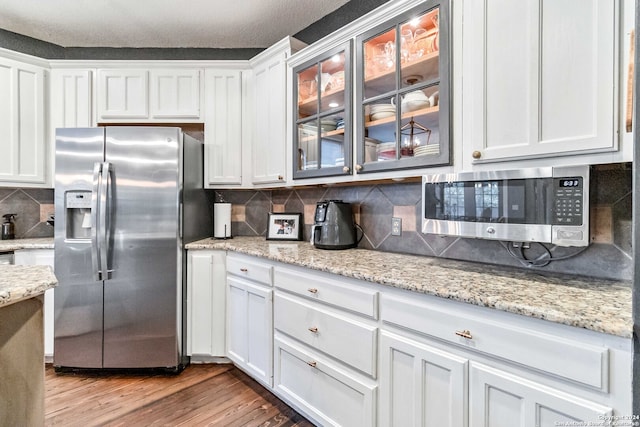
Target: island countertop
x,y
20,282
596,304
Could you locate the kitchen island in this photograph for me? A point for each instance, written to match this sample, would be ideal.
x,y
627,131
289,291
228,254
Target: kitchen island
x,y
22,343
596,304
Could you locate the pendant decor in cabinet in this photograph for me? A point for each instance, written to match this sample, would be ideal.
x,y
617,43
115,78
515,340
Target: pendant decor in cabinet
x,y
322,135
403,91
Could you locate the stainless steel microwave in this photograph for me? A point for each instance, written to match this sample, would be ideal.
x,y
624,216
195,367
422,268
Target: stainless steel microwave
x,y
546,205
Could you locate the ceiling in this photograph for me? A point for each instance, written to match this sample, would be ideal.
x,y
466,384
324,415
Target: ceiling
x,y
162,23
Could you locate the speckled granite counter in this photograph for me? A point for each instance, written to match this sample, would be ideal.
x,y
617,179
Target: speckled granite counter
x,y
595,304
17,244
20,282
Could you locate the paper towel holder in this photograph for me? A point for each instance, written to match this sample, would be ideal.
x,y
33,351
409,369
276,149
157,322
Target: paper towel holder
x,y
222,221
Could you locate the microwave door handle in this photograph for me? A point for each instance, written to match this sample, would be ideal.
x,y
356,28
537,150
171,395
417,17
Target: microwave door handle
x,y
103,231
95,205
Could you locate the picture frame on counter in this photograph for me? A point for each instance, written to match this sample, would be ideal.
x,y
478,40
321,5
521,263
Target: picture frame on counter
x,y
285,226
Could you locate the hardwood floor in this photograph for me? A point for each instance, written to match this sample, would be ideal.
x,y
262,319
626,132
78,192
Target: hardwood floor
x,y
202,395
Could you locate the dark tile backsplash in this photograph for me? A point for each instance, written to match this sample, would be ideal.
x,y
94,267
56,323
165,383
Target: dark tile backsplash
x,y
32,207
609,255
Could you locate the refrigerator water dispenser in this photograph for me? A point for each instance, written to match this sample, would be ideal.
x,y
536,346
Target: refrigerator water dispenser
x,y
78,214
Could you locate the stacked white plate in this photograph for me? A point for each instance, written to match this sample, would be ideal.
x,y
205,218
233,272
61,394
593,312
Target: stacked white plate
x,y
425,150
382,111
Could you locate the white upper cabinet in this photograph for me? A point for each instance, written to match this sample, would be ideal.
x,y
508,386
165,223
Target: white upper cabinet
x,y
150,95
175,94
22,124
123,94
71,98
539,78
70,104
269,101
223,132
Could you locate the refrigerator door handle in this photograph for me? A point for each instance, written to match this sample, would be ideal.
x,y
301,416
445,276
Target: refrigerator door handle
x,y
104,244
95,194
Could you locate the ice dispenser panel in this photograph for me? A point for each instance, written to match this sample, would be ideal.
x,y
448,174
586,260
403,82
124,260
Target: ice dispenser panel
x,y
78,214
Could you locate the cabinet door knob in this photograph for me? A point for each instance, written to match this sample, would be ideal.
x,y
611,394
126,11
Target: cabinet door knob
x,y
244,270
313,290
312,364
358,168
464,334
313,329
346,169
476,154
280,177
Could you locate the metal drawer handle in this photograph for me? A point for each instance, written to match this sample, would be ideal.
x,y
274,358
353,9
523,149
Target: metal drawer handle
x,y
312,364
313,329
464,334
244,270
313,290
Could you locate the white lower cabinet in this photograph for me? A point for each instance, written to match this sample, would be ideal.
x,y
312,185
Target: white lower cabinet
x,y
444,363
321,388
206,300
421,385
326,346
345,352
500,399
41,257
250,319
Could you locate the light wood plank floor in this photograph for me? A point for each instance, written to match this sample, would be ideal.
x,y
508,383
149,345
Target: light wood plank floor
x,y
202,395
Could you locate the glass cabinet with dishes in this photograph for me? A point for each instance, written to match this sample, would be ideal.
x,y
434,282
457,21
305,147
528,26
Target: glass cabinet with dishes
x,y
402,92
322,134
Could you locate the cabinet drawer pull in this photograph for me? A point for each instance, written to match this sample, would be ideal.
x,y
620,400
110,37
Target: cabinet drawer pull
x,y
313,290
244,270
313,329
464,334
312,364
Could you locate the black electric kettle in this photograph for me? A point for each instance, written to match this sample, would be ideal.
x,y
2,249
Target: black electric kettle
x,y
334,227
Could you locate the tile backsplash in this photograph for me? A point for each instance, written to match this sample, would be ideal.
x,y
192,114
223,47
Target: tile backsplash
x,y
608,256
32,207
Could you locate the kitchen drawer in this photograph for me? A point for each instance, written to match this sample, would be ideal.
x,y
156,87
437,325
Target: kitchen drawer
x,y
249,268
350,297
545,351
322,390
348,340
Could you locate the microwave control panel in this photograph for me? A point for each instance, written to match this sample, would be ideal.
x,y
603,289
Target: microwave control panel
x,y
568,201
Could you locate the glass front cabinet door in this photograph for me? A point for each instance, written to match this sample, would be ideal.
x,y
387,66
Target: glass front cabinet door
x,y
322,138
403,92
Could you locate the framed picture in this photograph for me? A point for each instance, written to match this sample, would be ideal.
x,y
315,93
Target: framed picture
x,y
285,226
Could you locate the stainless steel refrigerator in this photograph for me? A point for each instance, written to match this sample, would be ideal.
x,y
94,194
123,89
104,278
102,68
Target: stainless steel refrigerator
x,y
127,200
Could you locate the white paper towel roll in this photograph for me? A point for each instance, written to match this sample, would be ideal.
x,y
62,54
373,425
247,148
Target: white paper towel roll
x,y
221,220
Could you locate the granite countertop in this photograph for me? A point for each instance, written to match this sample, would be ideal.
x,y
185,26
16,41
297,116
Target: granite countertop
x,y
20,282
17,244
596,304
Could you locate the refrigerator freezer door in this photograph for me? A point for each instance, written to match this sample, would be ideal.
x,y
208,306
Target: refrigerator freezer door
x,y
78,302
141,295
